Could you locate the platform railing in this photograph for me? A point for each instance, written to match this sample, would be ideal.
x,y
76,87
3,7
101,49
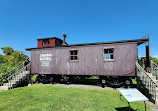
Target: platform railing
x,y
154,69
146,82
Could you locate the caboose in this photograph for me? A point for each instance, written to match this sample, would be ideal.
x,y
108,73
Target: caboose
x,y
113,62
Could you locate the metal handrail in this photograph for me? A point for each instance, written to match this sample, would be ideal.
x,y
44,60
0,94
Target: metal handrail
x,y
148,84
4,77
23,69
154,69
15,77
137,64
155,64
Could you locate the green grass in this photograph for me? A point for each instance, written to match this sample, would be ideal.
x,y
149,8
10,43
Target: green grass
x,y
34,77
94,77
134,81
59,98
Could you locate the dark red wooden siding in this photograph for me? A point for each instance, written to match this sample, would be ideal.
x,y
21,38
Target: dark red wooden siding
x,y
90,60
51,43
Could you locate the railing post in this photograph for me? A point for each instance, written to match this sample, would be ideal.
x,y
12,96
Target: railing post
x,y
151,66
137,77
147,80
155,92
1,80
8,84
156,72
24,64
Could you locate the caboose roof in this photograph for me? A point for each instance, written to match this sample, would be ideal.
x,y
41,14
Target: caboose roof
x,y
49,38
138,41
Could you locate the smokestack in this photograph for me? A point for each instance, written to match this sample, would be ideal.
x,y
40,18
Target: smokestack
x,y
64,35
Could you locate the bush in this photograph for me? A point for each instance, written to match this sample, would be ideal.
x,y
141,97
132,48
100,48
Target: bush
x,y
154,59
11,59
7,50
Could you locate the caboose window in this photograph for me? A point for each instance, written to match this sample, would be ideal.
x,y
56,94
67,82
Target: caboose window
x,y
109,54
45,41
73,55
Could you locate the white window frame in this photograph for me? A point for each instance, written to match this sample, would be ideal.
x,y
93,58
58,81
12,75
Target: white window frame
x,y
109,54
74,55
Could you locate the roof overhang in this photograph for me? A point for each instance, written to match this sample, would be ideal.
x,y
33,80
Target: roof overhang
x,y
137,41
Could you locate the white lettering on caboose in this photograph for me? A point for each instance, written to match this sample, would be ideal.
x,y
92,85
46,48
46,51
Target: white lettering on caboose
x,y
45,59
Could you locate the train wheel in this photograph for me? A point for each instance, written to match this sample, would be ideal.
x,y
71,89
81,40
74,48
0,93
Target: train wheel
x,y
115,81
103,85
51,80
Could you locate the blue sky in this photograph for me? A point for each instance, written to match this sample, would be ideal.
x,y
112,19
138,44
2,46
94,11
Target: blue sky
x,y
84,21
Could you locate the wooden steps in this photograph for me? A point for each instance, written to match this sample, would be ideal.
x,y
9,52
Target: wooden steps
x,y
2,88
14,81
156,81
147,83
16,78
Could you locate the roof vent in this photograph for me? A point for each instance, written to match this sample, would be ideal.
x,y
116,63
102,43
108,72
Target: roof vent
x,y
64,35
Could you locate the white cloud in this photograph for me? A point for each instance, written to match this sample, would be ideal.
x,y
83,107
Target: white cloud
x,y
156,56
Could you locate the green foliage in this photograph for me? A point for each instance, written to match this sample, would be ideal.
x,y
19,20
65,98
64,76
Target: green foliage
x,y
134,81
1,59
11,59
3,69
16,55
154,59
7,50
34,77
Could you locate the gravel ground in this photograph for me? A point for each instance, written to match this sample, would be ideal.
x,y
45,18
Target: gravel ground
x,y
82,86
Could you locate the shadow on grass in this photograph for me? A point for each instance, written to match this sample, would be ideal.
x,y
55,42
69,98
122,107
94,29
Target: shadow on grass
x,y
125,109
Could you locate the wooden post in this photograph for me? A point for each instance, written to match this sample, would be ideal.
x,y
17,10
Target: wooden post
x,y
147,63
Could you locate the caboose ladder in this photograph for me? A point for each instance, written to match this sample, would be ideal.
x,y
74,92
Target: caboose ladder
x,y
14,77
147,83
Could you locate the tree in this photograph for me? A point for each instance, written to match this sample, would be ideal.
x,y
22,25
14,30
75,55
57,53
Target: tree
x,y
154,59
11,59
7,50
1,58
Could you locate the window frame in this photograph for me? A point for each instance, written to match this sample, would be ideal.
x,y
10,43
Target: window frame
x,y
46,41
109,54
73,55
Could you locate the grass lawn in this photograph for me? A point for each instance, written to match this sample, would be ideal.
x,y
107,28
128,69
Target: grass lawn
x,y
59,98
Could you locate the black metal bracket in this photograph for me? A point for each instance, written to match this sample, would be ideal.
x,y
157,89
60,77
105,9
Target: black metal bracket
x,y
121,98
129,107
145,105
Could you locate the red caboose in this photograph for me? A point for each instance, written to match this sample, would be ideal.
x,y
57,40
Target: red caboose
x,y
113,62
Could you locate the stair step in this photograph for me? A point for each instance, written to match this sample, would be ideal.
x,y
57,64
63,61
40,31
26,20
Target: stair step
x,y
14,80
156,81
146,85
157,91
3,88
5,84
17,78
18,74
153,77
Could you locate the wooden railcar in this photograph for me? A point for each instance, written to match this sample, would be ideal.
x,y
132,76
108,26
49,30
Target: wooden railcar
x,y
113,62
